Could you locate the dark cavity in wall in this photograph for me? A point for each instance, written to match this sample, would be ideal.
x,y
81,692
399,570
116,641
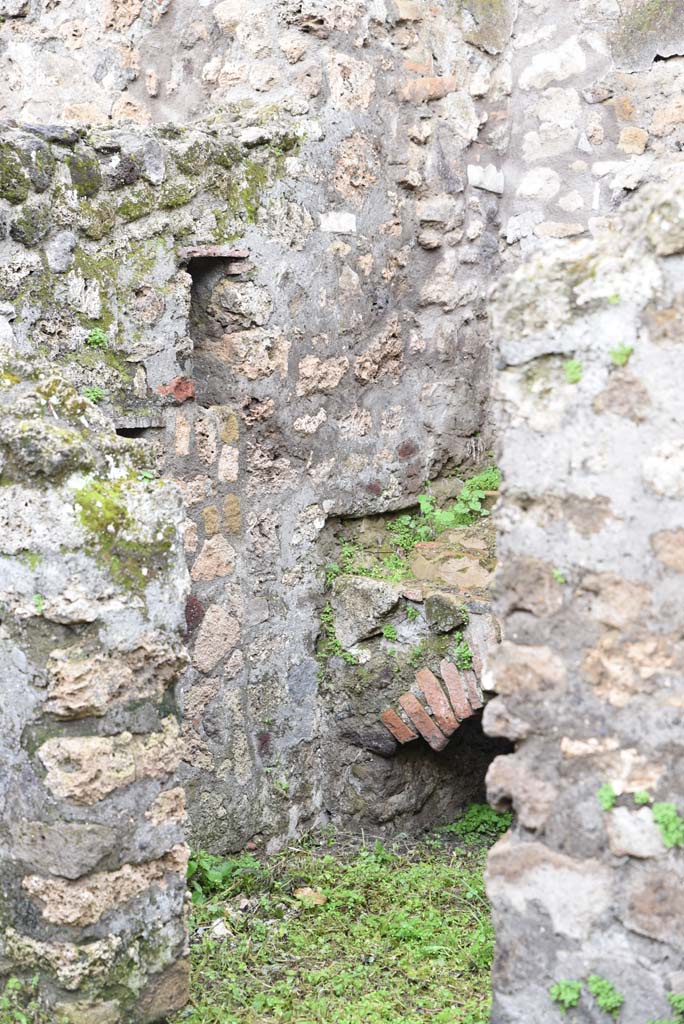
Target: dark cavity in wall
x,y
223,300
402,647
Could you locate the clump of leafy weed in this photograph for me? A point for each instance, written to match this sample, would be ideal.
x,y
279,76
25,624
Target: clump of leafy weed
x,y
390,632
20,1003
330,646
97,338
463,655
607,797
606,995
481,822
621,354
95,394
670,823
573,371
208,875
566,993
409,530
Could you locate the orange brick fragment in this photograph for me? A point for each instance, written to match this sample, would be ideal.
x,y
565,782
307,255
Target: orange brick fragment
x,y
473,690
397,727
438,701
429,87
422,721
456,689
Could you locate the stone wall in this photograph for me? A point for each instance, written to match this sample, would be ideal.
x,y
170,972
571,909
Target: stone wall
x,y
591,672
183,286
247,250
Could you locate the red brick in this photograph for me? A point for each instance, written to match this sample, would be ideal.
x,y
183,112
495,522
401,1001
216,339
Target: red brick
x,y
473,691
422,721
225,252
429,87
399,729
456,689
438,701
181,388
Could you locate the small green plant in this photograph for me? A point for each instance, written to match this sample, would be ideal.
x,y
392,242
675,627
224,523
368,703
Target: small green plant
x,y
20,1003
417,655
39,603
566,993
642,797
146,475
95,394
607,797
670,823
559,576
573,371
605,994
97,338
463,655
390,632
614,299
676,1001
330,646
621,354
481,822
409,530
412,613
208,874
332,571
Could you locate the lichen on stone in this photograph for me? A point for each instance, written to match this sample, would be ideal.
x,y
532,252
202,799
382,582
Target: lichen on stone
x,y
131,552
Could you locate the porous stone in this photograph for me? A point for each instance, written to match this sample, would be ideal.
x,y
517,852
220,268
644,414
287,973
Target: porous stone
x,y
359,605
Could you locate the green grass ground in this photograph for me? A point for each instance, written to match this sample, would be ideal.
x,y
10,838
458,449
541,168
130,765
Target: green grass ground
x,y
340,930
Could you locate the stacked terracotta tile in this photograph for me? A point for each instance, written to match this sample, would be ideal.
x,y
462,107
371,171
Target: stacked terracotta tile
x,y
436,707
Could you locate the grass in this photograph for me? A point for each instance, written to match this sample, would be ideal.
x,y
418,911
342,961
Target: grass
x,y
337,929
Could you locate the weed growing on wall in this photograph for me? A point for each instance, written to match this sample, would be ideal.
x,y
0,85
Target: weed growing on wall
x,y
95,394
330,646
605,994
607,796
573,371
463,656
20,1004
670,823
331,931
621,355
566,994
97,338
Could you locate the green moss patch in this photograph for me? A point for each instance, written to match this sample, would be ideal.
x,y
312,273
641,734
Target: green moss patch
x,y
114,535
14,181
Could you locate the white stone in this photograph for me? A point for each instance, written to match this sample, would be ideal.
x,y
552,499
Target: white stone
x,y
310,424
489,178
634,833
540,183
664,469
480,82
547,143
570,202
565,61
339,222
60,251
7,343
255,135
559,107
229,13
